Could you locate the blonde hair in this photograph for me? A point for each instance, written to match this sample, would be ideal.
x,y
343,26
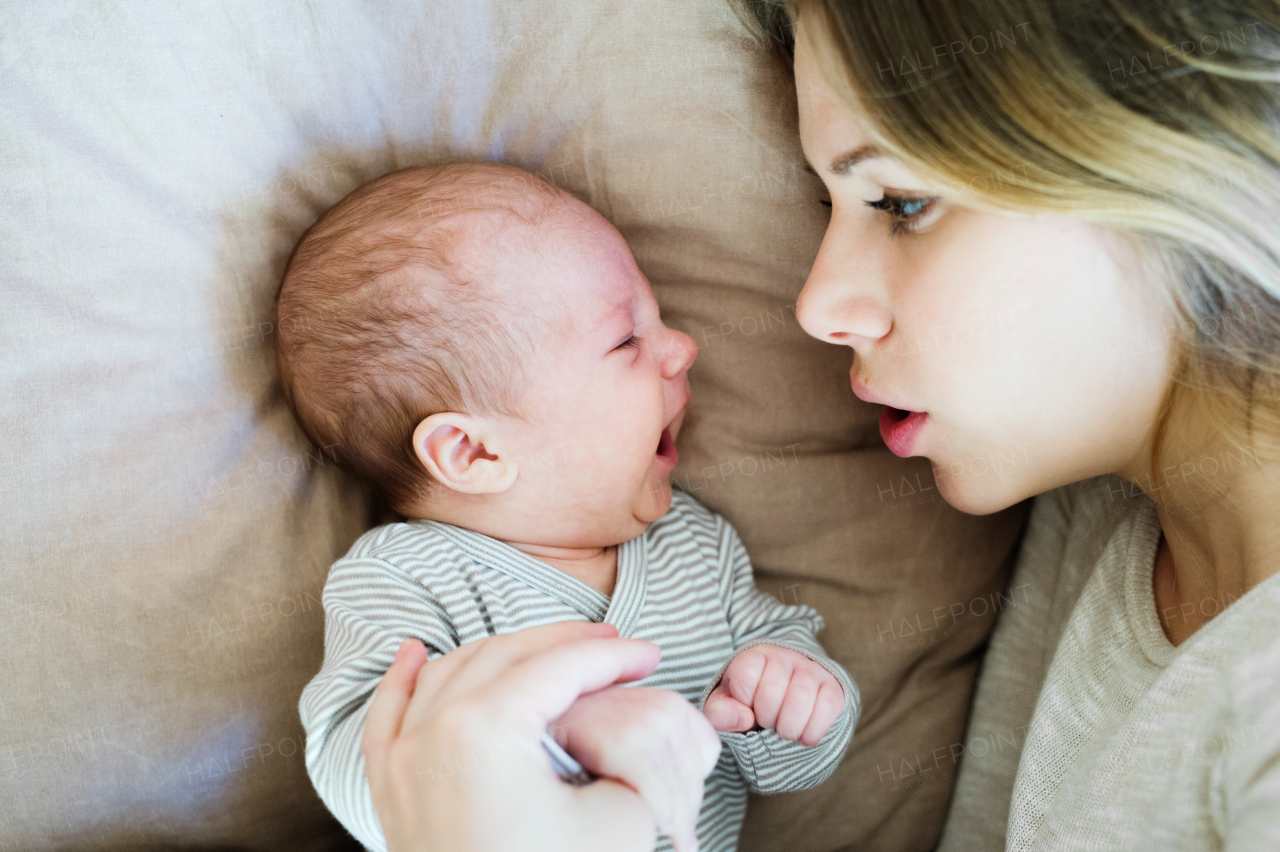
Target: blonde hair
x,y
384,317
1158,120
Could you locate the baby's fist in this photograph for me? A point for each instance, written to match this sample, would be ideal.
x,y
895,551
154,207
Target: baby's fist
x,y
777,688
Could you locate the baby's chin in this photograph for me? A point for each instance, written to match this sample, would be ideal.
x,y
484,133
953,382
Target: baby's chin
x,y
654,501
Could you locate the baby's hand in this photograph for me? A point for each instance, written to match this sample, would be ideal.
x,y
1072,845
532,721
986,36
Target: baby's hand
x,y
652,740
776,688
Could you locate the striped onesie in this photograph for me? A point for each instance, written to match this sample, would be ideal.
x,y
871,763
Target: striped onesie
x,y
684,584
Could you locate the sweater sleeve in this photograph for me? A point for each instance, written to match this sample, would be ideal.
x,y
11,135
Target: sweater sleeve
x,y
769,763
370,607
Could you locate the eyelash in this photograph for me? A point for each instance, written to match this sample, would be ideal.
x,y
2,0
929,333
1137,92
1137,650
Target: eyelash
x,y
895,206
632,342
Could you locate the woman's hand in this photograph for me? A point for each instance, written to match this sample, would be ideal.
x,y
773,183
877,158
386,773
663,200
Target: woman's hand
x,y
453,753
655,742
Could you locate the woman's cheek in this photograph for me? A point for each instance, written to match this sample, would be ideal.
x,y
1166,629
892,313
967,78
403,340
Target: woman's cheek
x,y
984,457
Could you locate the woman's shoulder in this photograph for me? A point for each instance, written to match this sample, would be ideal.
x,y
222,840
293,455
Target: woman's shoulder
x,y
1069,527
1244,640
1067,533
1227,718
1089,503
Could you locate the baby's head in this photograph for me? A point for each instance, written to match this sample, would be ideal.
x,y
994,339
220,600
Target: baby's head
x,y
482,348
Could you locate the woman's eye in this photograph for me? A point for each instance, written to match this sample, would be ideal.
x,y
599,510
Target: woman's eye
x,y
904,211
824,202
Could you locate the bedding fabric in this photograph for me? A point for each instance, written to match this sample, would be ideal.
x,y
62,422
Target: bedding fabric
x,y
168,529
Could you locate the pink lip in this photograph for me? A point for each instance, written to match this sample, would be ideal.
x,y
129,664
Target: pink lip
x,y
899,429
898,426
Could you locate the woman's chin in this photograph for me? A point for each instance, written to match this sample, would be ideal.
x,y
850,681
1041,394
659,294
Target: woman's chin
x,y
977,495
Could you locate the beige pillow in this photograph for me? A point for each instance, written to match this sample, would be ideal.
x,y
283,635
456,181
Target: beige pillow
x,y
167,529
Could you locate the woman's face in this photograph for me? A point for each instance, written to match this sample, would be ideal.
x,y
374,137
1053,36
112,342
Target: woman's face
x,y
1013,351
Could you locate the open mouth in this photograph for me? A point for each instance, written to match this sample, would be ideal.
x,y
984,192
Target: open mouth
x,y
667,448
899,428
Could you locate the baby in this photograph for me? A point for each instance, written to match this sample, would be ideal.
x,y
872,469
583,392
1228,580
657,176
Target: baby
x,y
482,348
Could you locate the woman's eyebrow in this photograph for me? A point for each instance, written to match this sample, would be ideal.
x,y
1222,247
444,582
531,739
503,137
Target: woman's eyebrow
x,y
842,164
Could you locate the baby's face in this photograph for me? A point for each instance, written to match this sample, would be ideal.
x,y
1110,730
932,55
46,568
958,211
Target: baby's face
x,y
607,394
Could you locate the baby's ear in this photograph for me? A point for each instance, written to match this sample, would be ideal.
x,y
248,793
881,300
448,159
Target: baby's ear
x,y
462,452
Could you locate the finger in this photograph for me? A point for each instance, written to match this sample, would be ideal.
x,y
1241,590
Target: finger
x,y
477,662
683,829
653,740
770,692
681,776
390,698
726,713
688,843
689,760
540,688
612,814
826,710
797,705
469,666
657,784
743,675
708,746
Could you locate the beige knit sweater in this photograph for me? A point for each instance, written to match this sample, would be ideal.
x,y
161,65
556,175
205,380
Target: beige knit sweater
x,y
1089,730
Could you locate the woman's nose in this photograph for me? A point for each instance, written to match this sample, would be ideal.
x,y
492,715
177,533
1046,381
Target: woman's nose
x,y
843,300
678,352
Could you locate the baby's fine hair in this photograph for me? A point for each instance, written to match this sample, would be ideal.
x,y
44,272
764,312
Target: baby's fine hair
x,y
384,316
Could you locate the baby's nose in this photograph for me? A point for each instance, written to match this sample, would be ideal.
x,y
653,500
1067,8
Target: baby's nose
x,y
681,350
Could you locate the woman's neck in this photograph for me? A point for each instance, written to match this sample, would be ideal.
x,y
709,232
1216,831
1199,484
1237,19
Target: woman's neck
x,y
1218,507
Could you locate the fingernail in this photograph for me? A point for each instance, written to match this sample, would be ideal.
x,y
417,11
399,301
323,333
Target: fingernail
x,y
404,647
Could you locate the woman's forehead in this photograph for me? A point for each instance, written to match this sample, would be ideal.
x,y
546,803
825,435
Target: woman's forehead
x,y
823,112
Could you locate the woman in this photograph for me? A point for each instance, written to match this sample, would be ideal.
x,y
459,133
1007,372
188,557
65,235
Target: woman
x,y
1054,252
1107,174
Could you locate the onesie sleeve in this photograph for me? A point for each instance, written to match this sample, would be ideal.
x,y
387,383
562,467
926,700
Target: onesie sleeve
x,y
769,763
370,607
